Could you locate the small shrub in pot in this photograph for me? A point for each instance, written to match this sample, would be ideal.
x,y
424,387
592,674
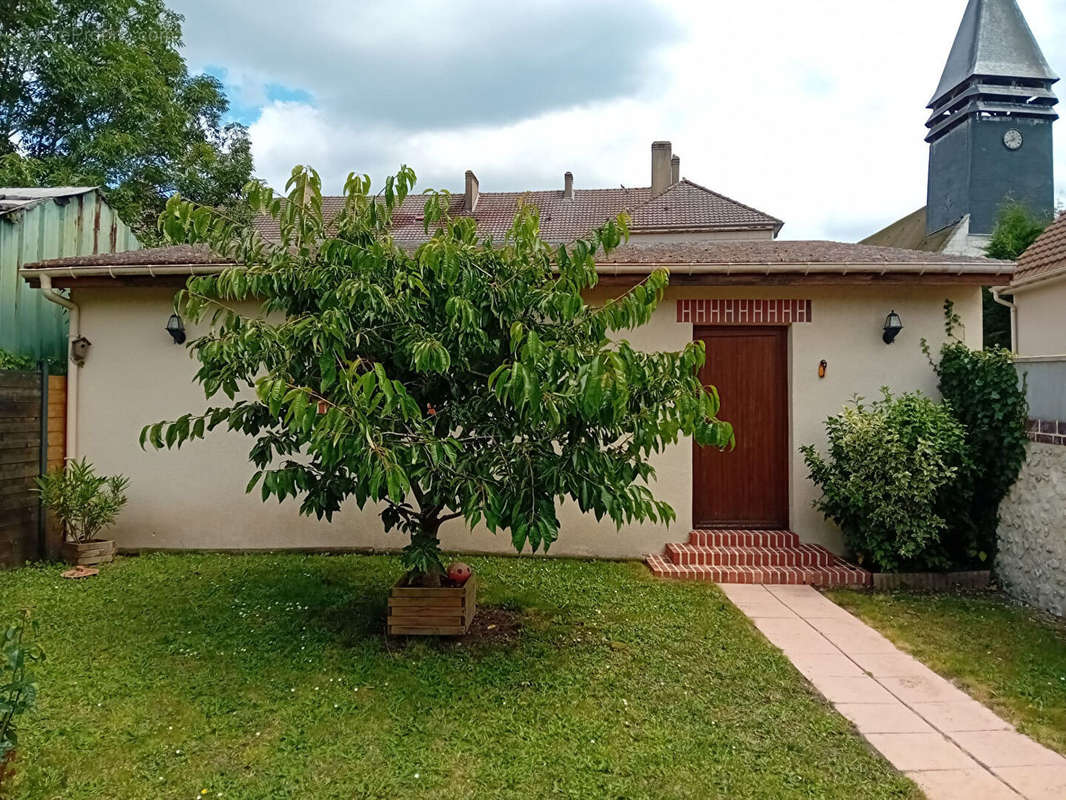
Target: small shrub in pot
x,y
85,503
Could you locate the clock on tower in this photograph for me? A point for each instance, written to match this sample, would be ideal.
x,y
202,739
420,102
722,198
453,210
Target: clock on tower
x,y
990,130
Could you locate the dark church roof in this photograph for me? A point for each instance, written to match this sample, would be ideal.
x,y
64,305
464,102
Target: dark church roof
x,y
994,40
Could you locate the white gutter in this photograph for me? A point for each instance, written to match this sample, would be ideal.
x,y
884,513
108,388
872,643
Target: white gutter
x,y
802,268
1013,315
72,368
1048,277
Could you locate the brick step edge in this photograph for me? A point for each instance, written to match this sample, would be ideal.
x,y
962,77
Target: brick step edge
x,y
826,577
802,555
738,538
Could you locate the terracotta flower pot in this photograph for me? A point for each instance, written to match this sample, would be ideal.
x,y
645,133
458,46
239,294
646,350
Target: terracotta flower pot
x,y
432,611
88,554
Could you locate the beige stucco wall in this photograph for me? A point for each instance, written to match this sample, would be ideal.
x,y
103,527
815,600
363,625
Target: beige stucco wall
x,y
195,497
1041,327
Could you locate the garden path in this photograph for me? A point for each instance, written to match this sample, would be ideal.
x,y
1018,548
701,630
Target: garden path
x,y
953,747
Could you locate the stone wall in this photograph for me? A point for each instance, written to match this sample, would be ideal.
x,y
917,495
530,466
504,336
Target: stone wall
x,y
1032,531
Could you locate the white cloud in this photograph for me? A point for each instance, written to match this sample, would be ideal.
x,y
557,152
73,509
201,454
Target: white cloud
x,y
812,111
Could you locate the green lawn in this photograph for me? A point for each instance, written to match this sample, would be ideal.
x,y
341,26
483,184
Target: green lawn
x,y
267,676
1006,655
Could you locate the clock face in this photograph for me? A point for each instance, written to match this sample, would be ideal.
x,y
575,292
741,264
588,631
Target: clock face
x,y
1012,139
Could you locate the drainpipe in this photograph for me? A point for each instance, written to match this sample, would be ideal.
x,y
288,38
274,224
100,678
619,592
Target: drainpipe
x,y
72,368
1013,315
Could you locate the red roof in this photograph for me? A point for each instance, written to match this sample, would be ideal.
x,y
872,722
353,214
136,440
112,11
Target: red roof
x,y
684,206
1046,256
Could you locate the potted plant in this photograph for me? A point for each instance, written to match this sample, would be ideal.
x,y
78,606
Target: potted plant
x,y
18,691
85,504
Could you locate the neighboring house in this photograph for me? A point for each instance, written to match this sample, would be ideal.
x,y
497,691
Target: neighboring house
x,y
793,330
990,135
671,209
1039,289
1032,531
48,223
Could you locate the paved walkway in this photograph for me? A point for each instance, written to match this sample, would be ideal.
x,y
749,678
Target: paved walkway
x,y
949,744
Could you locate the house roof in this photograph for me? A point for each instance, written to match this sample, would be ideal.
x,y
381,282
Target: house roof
x,y
798,256
909,233
752,258
993,40
1046,257
15,198
683,206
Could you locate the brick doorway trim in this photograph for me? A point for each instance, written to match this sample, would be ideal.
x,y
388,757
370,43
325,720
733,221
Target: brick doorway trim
x,y
739,311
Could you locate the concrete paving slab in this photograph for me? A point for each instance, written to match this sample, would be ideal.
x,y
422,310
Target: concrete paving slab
x,y
891,717
962,784
918,752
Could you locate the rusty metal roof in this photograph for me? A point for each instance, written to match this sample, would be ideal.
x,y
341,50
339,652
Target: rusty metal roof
x,y
14,198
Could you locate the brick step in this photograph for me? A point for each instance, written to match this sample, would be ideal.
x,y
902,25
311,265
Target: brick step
x,y
838,574
737,538
800,555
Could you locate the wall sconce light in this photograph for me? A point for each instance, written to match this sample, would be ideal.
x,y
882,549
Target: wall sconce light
x,y
893,325
823,365
176,329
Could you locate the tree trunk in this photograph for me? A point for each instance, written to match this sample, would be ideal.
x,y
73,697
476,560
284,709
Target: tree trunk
x,y
431,523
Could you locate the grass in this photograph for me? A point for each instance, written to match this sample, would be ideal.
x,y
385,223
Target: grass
x,y
1006,655
267,676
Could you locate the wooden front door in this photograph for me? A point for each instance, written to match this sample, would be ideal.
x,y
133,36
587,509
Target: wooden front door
x,y
745,488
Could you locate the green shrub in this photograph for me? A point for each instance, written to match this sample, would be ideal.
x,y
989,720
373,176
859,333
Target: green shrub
x,y
889,480
84,502
15,362
984,394
18,691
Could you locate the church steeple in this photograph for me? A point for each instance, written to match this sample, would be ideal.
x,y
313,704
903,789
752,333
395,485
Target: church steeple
x,y
994,41
990,130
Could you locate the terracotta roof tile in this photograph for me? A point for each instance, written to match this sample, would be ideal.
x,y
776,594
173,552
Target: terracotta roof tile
x,y
805,256
172,255
685,205
776,252
1046,256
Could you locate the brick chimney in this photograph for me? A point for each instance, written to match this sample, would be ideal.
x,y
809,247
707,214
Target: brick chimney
x,y
470,195
568,186
660,167
675,169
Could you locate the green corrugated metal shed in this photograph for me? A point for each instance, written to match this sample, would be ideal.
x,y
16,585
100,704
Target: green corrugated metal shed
x,y
36,224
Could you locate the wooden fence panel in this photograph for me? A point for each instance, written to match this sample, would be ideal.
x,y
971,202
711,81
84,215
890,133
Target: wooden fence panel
x,y
21,432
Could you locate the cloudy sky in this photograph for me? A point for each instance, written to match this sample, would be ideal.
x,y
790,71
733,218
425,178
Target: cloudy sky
x,y
812,111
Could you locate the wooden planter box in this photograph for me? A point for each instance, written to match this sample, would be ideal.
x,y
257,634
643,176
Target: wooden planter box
x,y
444,611
89,554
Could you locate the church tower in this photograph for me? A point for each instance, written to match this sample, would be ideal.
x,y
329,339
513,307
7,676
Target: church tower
x,y
990,131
